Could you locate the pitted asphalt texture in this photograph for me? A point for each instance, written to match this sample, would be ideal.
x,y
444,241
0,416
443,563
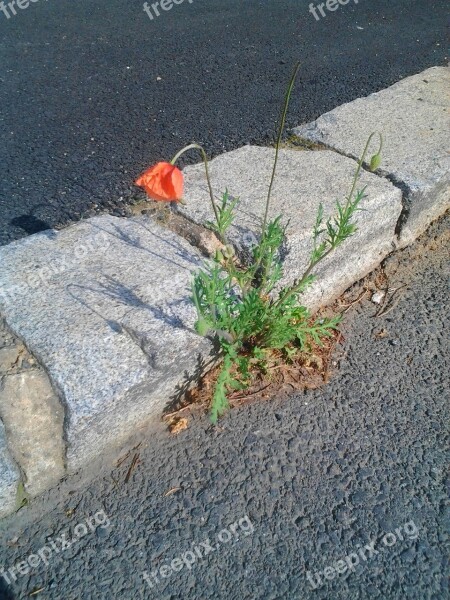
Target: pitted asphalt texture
x,y
319,475
92,92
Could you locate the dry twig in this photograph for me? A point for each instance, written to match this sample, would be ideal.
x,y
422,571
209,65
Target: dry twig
x,y
389,305
133,465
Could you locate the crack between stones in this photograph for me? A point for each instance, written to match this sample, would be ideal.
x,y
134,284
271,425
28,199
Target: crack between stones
x,y
405,190
198,236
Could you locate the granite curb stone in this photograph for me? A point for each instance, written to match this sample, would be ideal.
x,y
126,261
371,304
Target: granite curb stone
x,y
113,329
414,117
304,180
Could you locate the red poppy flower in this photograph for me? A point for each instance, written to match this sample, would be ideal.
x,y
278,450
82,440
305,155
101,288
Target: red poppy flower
x,y
163,182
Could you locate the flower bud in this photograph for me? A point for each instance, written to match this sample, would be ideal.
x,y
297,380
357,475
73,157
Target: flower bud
x,y
375,162
229,251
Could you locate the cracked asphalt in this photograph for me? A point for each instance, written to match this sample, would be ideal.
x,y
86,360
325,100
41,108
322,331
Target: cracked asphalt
x,y
92,92
337,493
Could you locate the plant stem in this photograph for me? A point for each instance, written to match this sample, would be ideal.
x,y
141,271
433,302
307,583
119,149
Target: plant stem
x,y
293,290
277,148
313,264
205,161
360,162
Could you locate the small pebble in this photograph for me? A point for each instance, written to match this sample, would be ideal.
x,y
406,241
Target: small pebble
x,y
378,297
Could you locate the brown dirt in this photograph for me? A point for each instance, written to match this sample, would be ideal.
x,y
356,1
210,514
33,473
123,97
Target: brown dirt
x,y
282,378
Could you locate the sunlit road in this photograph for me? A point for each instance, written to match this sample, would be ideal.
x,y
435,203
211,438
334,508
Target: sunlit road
x,y
92,92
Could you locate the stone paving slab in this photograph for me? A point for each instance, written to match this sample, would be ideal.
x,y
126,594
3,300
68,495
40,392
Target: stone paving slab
x,y
103,305
414,117
9,477
304,180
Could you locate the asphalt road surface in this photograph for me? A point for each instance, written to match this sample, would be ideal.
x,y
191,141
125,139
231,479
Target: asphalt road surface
x,y
93,92
332,494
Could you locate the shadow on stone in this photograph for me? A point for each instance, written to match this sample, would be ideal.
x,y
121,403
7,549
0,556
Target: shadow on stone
x,y
179,397
122,294
135,241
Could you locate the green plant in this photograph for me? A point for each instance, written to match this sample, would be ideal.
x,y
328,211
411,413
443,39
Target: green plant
x,y
21,497
241,305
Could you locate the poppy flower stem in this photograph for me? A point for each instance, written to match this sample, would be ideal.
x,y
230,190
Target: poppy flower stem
x,y
277,147
361,160
315,261
195,146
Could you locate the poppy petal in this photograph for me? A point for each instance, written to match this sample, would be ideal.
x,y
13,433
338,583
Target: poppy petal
x,y
162,182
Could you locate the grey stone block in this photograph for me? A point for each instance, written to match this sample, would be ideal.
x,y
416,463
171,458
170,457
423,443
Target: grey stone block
x,y
104,306
304,180
413,116
9,478
33,418
9,357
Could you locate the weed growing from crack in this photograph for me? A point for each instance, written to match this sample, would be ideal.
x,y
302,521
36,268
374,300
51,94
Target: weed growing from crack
x,y
238,302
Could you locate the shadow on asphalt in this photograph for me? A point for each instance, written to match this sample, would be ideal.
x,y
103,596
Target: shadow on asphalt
x,y
30,224
5,593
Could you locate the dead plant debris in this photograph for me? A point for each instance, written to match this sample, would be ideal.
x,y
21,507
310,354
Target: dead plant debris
x,y
390,301
304,371
383,333
134,463
177,424
172,491
122,459
36,591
